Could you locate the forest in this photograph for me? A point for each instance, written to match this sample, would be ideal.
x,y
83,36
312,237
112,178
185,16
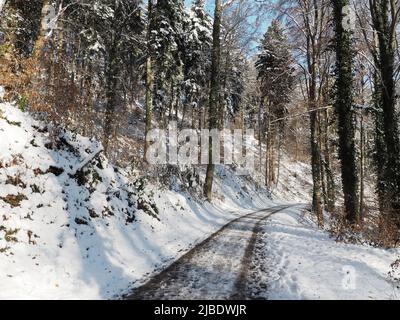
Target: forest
x,y
315,81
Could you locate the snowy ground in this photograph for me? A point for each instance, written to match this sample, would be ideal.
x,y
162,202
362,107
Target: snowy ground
x,y
217,269
67,233
61,239
305,263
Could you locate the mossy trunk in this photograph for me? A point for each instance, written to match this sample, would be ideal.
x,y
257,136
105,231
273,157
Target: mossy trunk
x,y
214,95
344,109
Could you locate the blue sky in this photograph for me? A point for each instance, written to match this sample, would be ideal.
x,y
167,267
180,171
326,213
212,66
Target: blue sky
x,y
209,4
210,8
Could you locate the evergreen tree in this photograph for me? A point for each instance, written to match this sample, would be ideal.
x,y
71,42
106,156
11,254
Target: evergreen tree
x,y
275,73
125,28
275,70
167,44
197,59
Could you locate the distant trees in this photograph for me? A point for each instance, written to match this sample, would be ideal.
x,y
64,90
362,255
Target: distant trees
x,y
197,63
103,67
275,73
122,36
310,34
27,23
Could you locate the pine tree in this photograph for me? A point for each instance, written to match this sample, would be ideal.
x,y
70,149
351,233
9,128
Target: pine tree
x,y
275,73
167,40
275,70
197,60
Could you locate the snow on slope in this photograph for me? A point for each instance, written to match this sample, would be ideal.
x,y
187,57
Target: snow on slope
x,y
305,263
83,237
295,182
80,236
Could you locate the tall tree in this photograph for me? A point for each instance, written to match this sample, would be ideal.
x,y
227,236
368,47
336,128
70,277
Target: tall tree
x,y
167,43
197,62
275,73
214,96
344,108
385,18
149,75
308,21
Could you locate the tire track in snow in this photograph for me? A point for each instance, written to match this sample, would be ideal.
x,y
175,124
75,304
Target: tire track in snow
x,y
217,268
241,287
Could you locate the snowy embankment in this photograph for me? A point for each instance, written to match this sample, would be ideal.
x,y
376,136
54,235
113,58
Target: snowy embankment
x,y
74,227
305,263
70,224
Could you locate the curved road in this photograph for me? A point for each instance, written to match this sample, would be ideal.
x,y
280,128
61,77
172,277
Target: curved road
x,y
219,268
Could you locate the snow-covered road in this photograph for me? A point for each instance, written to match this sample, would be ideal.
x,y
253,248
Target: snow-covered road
x,y
221,267
274,254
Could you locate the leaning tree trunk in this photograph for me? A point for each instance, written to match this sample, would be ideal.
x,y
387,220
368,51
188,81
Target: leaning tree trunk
x,y
344,110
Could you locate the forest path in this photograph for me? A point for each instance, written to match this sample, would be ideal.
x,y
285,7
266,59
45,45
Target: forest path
x,y
219,268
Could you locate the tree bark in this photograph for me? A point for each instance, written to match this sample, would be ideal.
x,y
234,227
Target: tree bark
x,y
344,110
388,127
149,79
214,95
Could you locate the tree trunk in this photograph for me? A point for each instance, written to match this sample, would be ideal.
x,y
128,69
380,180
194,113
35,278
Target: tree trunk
x,y
214,95
386,36
149,80
380,157
39,43
344,110
315,167
330,181
362,156
111,96
268,152
315,151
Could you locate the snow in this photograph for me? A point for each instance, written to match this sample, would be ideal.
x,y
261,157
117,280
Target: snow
x,y
215,270
2,93
62,239
305,263
73,255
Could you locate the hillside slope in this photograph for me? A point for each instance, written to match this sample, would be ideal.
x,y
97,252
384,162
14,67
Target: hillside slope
x,y
73,226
